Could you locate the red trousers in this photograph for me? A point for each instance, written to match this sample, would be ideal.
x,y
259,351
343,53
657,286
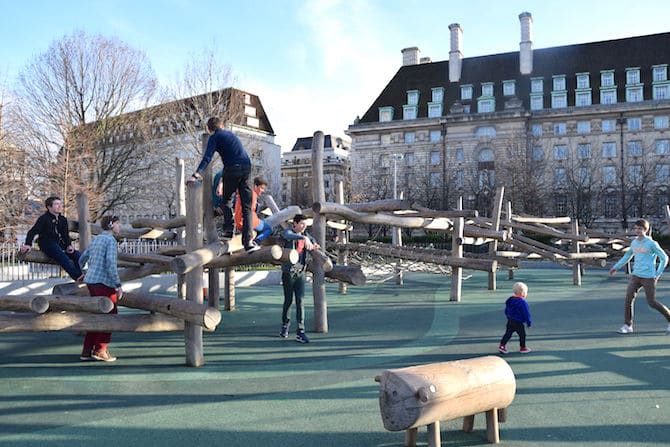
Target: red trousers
x,y
98,341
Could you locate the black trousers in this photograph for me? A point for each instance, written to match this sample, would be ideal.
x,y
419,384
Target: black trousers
x,y
512,327
236,178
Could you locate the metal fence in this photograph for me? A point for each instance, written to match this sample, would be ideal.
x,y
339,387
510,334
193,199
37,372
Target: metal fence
x,y
14,269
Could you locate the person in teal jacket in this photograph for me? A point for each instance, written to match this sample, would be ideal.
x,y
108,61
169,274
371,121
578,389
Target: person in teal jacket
x,y
645,252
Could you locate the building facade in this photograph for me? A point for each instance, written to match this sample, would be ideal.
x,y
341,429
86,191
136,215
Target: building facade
x,y
175,130
296,170
579,130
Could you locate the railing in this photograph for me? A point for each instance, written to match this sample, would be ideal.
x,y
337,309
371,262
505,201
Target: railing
x,y
14,269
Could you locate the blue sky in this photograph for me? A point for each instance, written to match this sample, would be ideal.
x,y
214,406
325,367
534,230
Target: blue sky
x,y
315,64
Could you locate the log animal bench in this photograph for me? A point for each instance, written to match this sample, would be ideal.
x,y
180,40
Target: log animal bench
x,y
425,395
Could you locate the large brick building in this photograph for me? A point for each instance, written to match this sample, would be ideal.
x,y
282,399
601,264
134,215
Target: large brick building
x,y
579,130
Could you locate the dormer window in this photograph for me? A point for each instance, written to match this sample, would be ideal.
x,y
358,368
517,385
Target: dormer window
x,y
632,75
385,114
487,89
583,81
509,88
660,73
466,92
607,78
437,94
412,97
536,85
558,83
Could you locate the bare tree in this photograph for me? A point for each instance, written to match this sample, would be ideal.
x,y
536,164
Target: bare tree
x,y
71,97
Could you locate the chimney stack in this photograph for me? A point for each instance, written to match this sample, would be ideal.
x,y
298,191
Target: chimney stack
x,y
526,44
456,53
410,56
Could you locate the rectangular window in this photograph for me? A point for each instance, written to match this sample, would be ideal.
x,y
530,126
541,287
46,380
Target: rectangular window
x,y
635,174
661,122
385,114
632,76
435,179
538,153
559,100
437,94
434,110
584,151
536,102
459,154
660,73
509,88
537,130
487,89
435,136
409,112
434,158
662,173
459,179
609,149
466,108
560,176
485,106
466,92
583,99
633,94
634,124
609,126
409,158
560,128
409,137
412,97
583,80
583,176
608,97
607,78
536,85
662,147
634,148
612,206
560,152
583,126
661,92
559,83
609,175
561,203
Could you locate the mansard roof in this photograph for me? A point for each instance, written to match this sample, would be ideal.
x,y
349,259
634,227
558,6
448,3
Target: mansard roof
x,y
305,143
617,55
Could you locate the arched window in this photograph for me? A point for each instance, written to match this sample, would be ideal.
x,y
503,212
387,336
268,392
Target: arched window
x,y
486,168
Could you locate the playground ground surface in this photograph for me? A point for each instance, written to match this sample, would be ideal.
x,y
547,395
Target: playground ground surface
x,y
583,384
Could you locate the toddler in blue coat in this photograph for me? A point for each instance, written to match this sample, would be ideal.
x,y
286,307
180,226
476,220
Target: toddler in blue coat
x,y
517,313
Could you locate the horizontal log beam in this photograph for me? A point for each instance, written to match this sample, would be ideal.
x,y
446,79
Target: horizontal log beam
x,y
543,220
269,254
380,205
84,322
473,231
24,303
166,224
450,214
545,230
146,258
351,274
186,310
129,232
335,209
197,258
73,303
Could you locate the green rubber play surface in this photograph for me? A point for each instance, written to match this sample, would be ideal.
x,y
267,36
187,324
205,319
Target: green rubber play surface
x,y
583,384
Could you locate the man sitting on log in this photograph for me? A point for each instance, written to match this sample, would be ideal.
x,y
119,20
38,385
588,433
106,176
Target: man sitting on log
x,y
54,238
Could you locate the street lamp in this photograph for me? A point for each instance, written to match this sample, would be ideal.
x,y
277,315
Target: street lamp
x,y
396,157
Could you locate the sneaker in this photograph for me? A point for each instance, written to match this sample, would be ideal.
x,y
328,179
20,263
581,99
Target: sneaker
x,y
102,356
86,356
300,337
284,331
227,235
252,247
502,349
625,329
525,350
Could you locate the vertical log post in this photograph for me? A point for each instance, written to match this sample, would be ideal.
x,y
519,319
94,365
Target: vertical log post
x,y
510,272
229,286
319,233
457,252
181,211
194,236
576,265
342,255
493,246
213,290
84,225
397,241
